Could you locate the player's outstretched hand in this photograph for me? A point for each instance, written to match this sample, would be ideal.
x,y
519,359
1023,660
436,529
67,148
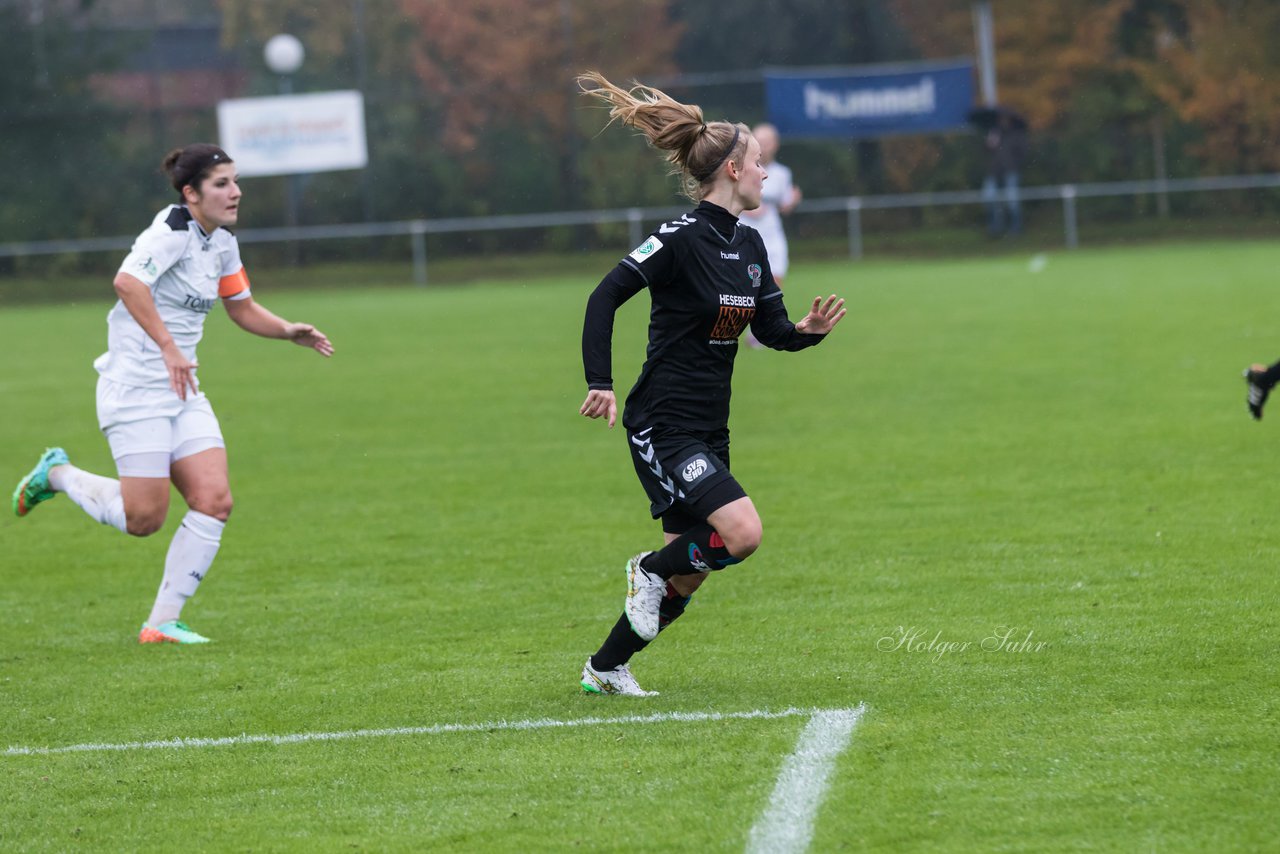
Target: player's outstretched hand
x,y
600,403
306,335
822,316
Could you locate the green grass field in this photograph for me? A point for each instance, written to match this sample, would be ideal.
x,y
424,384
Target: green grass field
x,y
427,533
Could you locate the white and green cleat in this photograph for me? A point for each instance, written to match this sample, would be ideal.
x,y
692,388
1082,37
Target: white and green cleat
x,y
618,681
170,632
34,488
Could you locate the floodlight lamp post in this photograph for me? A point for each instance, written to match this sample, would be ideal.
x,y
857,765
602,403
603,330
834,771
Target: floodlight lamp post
x,y
284,54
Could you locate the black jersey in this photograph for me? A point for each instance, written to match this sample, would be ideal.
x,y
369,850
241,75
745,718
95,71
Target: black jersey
x,y
708,276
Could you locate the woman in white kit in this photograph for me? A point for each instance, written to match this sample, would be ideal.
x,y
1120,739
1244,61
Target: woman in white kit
x,y
780,197
159,424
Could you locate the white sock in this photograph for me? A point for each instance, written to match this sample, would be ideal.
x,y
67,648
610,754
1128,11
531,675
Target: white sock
x,y
96,495
194,546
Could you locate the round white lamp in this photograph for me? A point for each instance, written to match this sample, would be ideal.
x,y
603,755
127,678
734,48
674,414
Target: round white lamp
x,y
284,53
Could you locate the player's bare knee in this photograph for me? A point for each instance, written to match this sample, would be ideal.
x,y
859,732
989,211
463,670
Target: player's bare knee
x,y
217,506
743,540
743,549
144,524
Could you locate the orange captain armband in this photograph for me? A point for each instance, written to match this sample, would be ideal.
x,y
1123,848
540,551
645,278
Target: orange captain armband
x,y
236,283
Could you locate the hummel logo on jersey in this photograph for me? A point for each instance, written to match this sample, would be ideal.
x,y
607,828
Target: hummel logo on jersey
x,y
645,250
729,256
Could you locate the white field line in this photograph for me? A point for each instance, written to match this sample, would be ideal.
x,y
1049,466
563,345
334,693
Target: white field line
x,y
786,825
434,729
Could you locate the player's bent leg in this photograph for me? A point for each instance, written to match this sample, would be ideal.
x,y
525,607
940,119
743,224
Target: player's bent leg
x,y
146,504
700,549
738,524
704,547
201,478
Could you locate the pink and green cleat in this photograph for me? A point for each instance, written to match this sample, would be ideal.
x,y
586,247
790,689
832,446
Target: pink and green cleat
x,y
170,632
34,488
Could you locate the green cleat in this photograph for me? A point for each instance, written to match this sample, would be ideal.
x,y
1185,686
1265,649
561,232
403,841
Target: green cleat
x,y
34,488
170,632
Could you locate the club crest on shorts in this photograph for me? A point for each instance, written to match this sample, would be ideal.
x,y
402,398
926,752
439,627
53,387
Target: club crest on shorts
x,y
695,468
754,271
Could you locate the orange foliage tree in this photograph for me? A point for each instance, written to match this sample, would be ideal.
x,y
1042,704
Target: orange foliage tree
x,y
516,60
1224,78
1213,64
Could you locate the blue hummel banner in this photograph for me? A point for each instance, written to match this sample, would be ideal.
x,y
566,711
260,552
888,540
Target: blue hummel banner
x,y
870,101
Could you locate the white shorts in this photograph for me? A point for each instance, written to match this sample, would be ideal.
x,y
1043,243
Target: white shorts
x,y
775,243
152,427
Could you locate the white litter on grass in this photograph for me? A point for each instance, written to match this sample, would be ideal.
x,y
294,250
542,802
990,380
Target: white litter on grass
x,y
1037,263
786,825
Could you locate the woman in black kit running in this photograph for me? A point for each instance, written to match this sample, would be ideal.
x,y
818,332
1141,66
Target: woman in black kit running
x,y
709,279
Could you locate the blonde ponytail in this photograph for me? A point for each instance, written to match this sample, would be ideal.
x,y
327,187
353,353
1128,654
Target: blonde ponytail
x,y
696,149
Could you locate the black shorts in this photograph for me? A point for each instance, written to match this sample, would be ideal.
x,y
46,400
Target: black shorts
x,y
684,473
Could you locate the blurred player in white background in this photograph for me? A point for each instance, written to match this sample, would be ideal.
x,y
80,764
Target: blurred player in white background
x,y
781,196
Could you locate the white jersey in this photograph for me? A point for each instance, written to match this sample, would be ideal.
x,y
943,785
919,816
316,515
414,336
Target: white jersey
x,y
187,271
767,220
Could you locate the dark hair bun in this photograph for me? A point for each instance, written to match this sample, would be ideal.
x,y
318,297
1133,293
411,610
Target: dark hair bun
x,y
192,164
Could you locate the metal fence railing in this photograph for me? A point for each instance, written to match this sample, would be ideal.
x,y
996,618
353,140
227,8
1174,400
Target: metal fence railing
x,y
636,219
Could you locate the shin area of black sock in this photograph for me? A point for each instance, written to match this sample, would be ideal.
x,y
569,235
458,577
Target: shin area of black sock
x,y
623,643
699,549
618,647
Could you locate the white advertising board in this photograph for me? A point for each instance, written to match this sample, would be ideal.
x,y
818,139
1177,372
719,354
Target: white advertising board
x,y
294,134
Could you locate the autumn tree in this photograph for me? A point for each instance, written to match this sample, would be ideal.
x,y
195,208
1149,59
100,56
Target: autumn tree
x,y
1222,74
489,83
1109,69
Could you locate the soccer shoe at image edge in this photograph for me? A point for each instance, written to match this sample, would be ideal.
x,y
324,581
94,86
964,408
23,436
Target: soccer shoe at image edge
x,y
34,488
618,681
170,632
1255,378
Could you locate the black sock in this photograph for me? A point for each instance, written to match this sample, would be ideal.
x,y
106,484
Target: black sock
x,y
618,647
699,549
673,605
622,642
